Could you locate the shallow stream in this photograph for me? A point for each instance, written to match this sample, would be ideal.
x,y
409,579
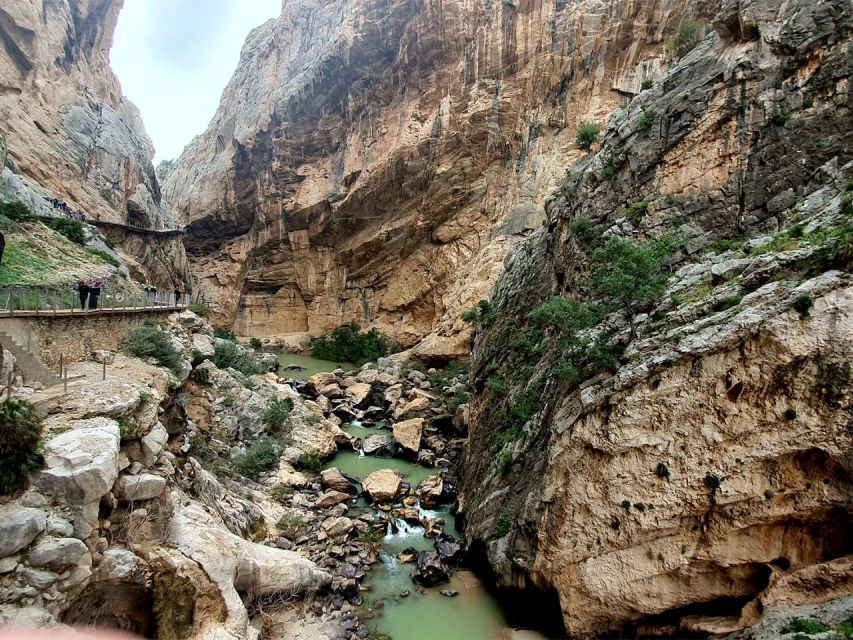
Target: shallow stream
x,y
310,365
394,606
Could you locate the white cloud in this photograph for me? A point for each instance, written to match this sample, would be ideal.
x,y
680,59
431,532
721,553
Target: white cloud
x,y
174,58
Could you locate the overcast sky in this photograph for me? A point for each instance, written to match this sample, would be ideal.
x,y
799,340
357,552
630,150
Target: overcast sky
x,y
174,58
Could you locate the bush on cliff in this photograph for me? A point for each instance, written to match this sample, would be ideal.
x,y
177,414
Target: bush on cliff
x,y
348,344
260,456
71,229
689,34
587,134
16,210
149,342
20,430
227,355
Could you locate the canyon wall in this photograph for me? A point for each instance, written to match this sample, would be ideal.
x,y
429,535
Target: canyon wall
x,y
374,160
70,132
679,470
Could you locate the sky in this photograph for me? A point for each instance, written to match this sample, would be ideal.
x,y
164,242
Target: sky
x,y
174,58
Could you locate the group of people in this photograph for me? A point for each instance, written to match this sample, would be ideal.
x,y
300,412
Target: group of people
x,y
79,214
89,292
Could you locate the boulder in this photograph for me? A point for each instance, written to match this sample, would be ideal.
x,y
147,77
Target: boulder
x,y
102,356
152,444
39,579
331,498
359,392
320,381
382,486
122,565
59,527
447,548
19,527
430,570
368,376
144,486
408,434
333,478
80,467
460,418
393,393
203,345
57,553
430,491
418,404
378,445
269,361
426,458
336,527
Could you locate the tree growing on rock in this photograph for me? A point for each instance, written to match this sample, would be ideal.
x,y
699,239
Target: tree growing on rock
x,y
587,134
629,276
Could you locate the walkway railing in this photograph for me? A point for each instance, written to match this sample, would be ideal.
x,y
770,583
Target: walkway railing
x,y
21,300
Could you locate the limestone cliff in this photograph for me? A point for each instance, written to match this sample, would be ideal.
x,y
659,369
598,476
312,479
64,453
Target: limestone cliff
x,y
70,132
704,474
374,160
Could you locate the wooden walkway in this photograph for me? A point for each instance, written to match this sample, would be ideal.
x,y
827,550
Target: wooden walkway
x,y
56,313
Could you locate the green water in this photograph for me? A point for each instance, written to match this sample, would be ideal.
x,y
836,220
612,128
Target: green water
x,y
361,466
360,431
312,365
428,615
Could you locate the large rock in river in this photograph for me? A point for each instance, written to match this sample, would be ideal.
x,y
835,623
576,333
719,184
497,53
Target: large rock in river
x,y
382,485
408,434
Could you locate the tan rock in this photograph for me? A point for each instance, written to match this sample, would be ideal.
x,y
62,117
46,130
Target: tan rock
x,y
331,498
382,486
413,406
359,392
332,478
430,491
408,434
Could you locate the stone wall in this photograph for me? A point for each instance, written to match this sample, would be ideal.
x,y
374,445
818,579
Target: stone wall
x,y
75,337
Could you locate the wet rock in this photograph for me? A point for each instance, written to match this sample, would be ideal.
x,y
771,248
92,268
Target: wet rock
x,y
345,413
144,486
333,478
57,553
431,491
382,486
408,434
409,554
426,458
449,593
430,570
19,527
447,548
379,445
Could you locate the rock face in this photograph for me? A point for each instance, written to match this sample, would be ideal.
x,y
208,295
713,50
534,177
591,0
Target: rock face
x,y
706,474
69,133
373,160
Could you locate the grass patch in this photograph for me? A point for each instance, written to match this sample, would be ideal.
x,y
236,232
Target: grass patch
x,y
292,526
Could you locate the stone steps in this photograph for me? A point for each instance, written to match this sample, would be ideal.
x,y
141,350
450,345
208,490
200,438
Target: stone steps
x,y
29,365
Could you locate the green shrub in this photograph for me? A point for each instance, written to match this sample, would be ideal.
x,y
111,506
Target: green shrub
x,y
721,246
201,375
803,305
637,211
348,344
106,257
20,430
71,229
689,34
260,456
16,210
790,414
483,313
504,462
626,504
567,314
503,525
277,413
805,625
149,342
282,492
311,461
225,334
768,494
228,355
199,308
647,84
292,526
847,205
586,135
639,506
497,386
588,235
646,119
662,471
713,482
110,243
256,344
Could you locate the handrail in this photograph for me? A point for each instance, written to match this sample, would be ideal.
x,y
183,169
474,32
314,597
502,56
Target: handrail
x,y
24,300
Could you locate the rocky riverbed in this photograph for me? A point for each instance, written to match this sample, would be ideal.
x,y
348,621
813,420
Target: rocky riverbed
x,y
218,499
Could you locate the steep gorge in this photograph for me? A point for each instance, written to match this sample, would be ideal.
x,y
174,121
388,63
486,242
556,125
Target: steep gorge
x,y
374,161
69,133
704,476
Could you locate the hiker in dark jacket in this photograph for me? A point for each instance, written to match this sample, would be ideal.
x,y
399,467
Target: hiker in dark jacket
x,y
177,296
83,292
94,293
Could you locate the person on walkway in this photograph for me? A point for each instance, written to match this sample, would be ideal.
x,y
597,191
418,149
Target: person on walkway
x,y
83,292
177,296
94,293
